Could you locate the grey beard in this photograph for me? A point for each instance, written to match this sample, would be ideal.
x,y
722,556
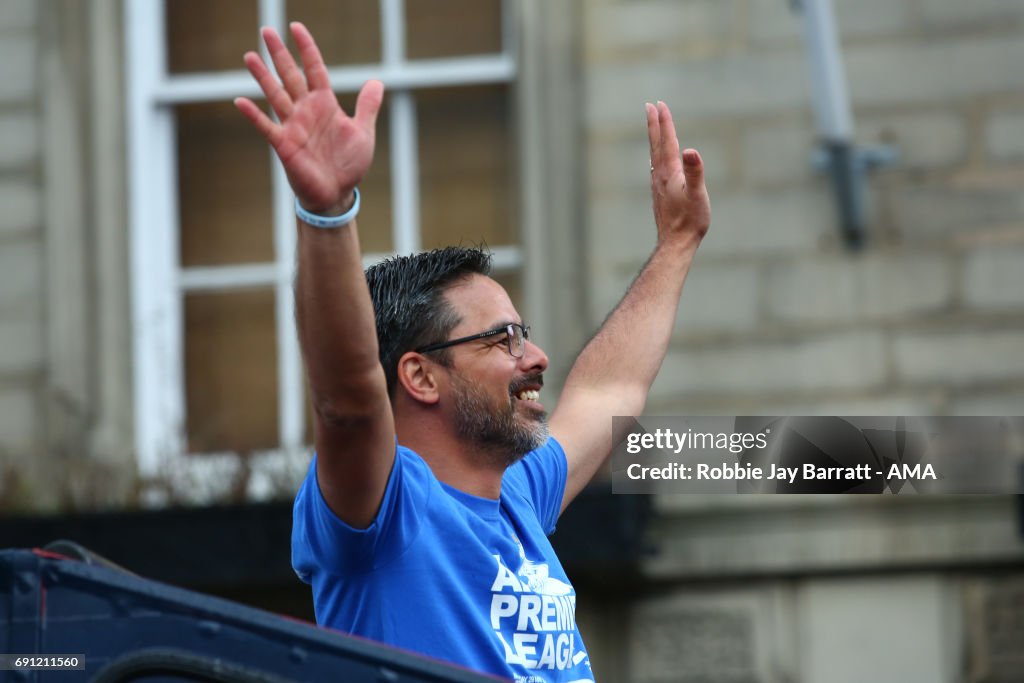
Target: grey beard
x,y
496,432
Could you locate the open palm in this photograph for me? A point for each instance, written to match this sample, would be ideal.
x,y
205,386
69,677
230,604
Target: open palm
x,y
325,152
682,209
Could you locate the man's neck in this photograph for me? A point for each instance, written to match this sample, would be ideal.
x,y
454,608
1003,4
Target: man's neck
x,y
455,463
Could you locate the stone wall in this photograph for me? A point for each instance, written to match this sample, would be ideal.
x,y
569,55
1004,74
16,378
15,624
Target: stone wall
x,y
780,317
777,314
21,250
65,349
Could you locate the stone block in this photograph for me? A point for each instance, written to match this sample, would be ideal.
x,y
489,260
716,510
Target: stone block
x,y
21,345
782,534
731,86
900,73
21,207
959,357
877,402
769,223
926,72
856,360
940,209
21,277
1004,135
621,167
19,145
883,404
997,607
924,139
710,635
18,68
773,22
859,287
988,403
951,16
18,15
880,629
19,420
812,291
994,278
614,28
864,19
719,297
605,291
621,234
778,154
716,298
618,168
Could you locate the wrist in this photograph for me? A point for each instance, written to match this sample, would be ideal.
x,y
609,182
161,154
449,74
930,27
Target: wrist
x,y
343,205
329,220
677,246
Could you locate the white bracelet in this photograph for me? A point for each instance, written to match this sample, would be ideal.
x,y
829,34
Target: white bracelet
x,y
328,222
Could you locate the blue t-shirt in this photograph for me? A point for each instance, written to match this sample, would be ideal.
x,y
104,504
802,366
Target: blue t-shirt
x,y
450,575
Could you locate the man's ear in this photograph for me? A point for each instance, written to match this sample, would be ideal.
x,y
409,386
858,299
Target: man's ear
x,y
416,376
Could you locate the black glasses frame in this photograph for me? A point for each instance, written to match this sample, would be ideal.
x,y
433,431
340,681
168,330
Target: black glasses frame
x,y
509,329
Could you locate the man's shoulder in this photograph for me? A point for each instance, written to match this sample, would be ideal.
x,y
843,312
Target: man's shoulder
x,y
548,457
411,458
538,480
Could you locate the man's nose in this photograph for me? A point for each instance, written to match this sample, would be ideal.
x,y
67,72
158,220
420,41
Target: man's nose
x,y
534,359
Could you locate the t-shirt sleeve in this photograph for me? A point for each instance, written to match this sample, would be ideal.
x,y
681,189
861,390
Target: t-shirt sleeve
x,y
323,542
540,477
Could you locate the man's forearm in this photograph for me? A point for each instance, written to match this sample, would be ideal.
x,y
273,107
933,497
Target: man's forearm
x,y
624,356
617,368
334,316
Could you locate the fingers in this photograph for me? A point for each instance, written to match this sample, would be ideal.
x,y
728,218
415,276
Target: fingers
x,y
693,168
368,104
275,94
653,133
669,141
267,128
287,70
661,132
312,61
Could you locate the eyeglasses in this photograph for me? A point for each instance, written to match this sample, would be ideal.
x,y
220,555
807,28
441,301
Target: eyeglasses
x,y
516,339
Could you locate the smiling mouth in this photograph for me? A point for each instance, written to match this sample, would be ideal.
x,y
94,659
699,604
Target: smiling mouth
x,y
528,395
527,388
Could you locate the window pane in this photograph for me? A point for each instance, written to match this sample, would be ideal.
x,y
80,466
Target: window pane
x,y
448,28
467,166
231,371
224,181
210,36
375,190
347,31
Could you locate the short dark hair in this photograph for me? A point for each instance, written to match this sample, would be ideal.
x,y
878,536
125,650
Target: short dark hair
x,y
409,304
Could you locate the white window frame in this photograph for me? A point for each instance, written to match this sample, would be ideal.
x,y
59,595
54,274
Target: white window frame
x,y
159,283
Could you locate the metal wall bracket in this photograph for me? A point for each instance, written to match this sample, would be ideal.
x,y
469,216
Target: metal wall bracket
x,y
845,162
848,166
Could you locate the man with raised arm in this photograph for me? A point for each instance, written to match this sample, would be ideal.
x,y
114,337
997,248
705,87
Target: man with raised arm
x,y
424,518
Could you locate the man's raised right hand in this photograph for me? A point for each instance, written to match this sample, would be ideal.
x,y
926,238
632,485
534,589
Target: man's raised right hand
x,y
325,152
